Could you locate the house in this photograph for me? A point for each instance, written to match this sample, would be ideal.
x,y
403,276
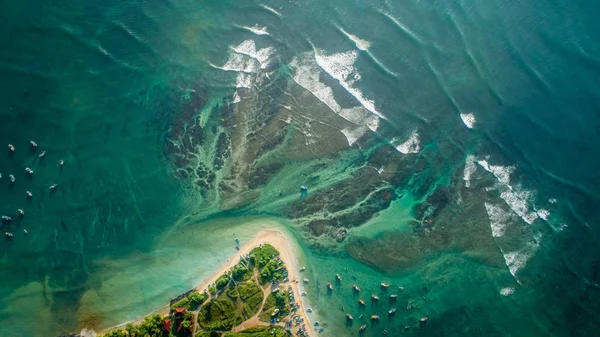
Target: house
x,y
167,325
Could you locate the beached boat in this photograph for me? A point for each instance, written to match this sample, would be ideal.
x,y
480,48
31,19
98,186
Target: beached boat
x,y
302,268
375,297
329,286
374,317
349,317
392,311
338,277
275,312
305,280
361,302
362,327
356,288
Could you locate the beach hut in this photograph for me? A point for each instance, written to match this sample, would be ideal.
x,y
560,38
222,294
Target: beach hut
x,y
167,325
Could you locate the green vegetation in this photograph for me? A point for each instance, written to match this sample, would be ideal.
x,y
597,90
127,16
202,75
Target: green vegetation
x,y
151,327
232,303
252,297
208,334
182,303
219,314
279,300
192,302
196,299
212,290
272,271
241,272
222,281
260,331
261,256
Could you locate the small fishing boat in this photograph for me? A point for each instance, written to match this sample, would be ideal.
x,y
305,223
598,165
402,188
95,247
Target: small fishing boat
x,y
29,194
329,286
12,178
11,148
21,212
356,288
374,317
321,330
361,302
392,311
385,332
309,310
305,280
384,285
375,297
338,277
401,289
393,296
302,268
28,170
33,144
349,317
362,327
275,312
317,323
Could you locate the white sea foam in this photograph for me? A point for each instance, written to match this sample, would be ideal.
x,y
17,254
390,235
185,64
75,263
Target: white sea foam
x,y
270,9
256,29
507,291
411,145
517,201
360,43
248,48
499,219
543,213
468,119
470,168
236,97
243,80
353,135
402,27
307,75
502,173
515,261
340,66
239,62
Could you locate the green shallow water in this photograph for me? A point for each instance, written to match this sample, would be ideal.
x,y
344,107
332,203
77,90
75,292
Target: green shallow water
x,y
448,147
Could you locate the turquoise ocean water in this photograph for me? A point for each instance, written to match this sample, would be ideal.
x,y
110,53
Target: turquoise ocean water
x,y
449,148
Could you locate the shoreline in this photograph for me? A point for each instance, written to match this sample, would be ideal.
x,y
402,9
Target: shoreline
x,y
287,253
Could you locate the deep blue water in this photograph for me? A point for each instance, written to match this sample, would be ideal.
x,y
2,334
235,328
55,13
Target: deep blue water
x,y
456,140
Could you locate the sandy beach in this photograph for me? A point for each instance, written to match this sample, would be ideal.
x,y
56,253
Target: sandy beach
x,y
287,254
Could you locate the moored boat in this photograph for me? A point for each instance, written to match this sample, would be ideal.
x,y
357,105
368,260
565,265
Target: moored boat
x,y
361,302
363,327
374,317
338,277
384,285
329,286
392,311
349,317
375,297
356,288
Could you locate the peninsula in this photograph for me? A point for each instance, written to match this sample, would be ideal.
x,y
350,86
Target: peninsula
x,y
254,294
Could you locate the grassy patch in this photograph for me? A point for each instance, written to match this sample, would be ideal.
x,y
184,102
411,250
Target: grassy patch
x,y
219,314
266,331
279,300
261,256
